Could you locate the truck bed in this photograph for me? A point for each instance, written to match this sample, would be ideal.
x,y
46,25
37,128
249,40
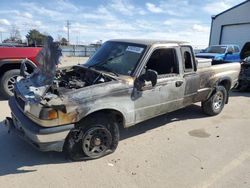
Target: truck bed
x,y
210,72
202,62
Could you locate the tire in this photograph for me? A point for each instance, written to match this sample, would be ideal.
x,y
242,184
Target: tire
x,y
7,83
214,105
92,138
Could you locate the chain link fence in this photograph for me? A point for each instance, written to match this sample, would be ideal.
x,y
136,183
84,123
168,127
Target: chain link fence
x,y
78,51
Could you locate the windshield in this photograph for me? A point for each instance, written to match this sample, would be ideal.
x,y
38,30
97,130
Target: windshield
x,y
117,57
216,49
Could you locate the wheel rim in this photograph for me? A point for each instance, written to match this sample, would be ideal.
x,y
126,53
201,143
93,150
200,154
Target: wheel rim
x,y
96,141
10,83
218,100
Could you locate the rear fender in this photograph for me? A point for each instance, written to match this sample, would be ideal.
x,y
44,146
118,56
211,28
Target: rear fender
x,y
224,81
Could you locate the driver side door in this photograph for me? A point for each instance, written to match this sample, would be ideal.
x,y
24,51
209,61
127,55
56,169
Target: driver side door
x,y
234,54
167,95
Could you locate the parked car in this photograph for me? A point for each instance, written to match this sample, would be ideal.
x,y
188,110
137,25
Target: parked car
x,y
223,53
79,109
244,78
11,45
10,62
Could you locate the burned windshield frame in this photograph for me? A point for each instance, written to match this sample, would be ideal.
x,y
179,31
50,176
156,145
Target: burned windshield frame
x,y
110,52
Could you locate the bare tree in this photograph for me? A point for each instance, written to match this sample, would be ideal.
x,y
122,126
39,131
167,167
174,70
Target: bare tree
x,y
15,36
14,32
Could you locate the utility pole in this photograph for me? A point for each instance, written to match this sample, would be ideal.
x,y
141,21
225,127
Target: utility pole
x,y
67,25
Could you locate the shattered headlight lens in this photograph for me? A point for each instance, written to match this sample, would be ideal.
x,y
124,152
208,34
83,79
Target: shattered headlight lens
x,y
48,114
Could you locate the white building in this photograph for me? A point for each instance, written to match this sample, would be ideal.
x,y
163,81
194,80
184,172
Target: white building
x,y
231,26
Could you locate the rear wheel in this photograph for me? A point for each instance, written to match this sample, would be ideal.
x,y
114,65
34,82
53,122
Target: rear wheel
x,y
94,138
216,102
7,82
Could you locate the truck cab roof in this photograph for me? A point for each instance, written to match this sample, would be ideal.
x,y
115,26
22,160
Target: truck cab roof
x,y
150,42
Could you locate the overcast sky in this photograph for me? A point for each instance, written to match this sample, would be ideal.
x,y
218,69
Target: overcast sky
x,y
92,20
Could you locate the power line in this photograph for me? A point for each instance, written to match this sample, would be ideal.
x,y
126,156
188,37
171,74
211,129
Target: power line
x,y
68,25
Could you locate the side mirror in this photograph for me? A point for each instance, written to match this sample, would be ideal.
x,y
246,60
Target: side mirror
x,y
149,75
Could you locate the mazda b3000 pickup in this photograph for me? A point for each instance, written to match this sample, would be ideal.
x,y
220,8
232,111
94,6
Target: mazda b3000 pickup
x,y
79,109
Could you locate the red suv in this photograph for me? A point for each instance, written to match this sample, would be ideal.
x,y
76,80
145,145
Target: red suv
x,y
10,62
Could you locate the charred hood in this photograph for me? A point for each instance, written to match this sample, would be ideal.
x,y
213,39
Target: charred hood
x,y
48,59
36,85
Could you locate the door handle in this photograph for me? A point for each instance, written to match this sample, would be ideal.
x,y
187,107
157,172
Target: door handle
x,y
178,83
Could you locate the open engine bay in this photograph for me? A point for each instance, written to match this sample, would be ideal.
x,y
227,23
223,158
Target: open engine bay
x,y
76,77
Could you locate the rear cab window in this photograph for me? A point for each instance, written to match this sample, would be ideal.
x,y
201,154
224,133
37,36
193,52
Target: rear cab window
x,y
187,59
236,49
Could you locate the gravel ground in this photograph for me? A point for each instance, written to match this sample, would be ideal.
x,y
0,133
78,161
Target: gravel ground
x,y
181,149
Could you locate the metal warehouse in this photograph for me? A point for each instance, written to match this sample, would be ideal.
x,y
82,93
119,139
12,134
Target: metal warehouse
x,y
231,26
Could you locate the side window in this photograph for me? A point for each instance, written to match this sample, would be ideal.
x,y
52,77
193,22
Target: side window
x,y
230,49
188,61
163,61
236,49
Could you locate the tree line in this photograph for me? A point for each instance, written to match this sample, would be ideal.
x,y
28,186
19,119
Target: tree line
x,y
34,38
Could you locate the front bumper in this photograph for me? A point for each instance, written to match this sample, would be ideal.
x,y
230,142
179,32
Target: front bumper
x,y
44,139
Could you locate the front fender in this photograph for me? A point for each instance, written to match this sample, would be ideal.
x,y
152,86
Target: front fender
x,y
120,102
220,57
126,110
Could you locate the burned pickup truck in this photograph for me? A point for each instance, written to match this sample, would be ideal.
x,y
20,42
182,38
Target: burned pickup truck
x,y
80,109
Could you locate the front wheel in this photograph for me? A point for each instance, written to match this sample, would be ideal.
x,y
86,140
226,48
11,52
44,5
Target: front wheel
x,y
93,138
216,102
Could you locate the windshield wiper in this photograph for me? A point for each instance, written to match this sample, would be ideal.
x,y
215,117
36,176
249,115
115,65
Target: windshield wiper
x,y
107,61
100,65
111,58
105,69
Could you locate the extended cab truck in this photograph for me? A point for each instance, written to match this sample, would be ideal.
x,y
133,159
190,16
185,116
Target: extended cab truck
x,y
221,53
79,109
10,62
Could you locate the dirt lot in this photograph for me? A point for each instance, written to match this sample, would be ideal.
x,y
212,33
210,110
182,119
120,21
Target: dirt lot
x,y
181,149
67,61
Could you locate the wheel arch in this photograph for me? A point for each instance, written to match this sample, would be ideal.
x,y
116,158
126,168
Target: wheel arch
x,y
111,113
9,64
227,83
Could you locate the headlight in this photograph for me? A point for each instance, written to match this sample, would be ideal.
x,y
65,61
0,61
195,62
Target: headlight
x,y
48,114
